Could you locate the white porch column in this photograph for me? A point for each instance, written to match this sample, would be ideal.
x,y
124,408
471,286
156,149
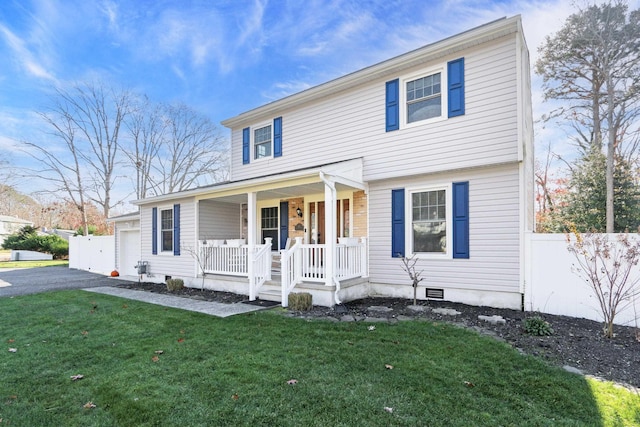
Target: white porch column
x,y
330,236
251,242
251,218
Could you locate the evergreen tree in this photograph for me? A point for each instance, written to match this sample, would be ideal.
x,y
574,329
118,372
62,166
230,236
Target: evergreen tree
x,y
585,204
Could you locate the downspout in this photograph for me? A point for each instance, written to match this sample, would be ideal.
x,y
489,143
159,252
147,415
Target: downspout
x,y
332,187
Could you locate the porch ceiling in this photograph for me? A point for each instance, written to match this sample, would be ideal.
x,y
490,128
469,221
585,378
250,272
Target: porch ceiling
x,y
345,175
283,192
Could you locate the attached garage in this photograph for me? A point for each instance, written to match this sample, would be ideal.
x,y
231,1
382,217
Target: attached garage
x,y
127,234
129,253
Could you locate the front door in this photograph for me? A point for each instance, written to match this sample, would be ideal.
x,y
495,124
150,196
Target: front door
x,y
269,225
316,211
316,214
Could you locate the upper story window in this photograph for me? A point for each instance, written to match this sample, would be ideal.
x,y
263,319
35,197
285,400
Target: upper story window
x,y
424,99
262,142
433,95
166,230
266,141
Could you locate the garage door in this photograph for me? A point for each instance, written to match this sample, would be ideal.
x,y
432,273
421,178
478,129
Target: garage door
x,y
129,252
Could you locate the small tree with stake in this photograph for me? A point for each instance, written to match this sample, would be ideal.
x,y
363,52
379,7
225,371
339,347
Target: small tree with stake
x,y
409,265
200,256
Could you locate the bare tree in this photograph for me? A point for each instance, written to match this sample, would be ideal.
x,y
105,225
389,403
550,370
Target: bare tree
x,y
610,269
192,152
61,169
80,155
173,148
409,266
147,128
593,63
98,113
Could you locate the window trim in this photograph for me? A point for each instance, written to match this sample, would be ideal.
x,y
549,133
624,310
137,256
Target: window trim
x,y
408,215
444,94
161,250
253,141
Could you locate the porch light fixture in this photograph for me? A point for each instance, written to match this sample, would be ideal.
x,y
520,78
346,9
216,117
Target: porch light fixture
x,y
299,212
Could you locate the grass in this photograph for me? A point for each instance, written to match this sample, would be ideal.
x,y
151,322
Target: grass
x,y
234,371
32,264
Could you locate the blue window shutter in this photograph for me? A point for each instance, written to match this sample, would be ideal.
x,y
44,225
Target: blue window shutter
x,y
461,219
246,152
455,82
176,229
277,137
154,231
393,105
397,223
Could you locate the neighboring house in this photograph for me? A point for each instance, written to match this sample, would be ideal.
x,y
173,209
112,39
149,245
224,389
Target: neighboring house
x,y
428,155
65,234
10,225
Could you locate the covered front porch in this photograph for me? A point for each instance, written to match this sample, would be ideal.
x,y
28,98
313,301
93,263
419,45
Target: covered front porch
x,y
305,230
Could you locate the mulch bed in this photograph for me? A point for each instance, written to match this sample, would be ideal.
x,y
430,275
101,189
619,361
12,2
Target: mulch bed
x,y
576,342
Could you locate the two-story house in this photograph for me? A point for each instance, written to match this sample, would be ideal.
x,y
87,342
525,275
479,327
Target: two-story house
x,y
426,155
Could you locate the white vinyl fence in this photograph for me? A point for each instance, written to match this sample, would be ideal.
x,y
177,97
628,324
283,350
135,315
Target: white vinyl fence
x,y
92,253
552,287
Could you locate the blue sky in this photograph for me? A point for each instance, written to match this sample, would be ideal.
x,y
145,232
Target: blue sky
x,y
225,57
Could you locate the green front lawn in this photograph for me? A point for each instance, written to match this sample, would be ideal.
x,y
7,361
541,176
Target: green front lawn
x,y
32,264
148,365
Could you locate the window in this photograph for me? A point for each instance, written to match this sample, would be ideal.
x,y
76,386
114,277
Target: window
x,y
166,230
435,94
429,221
262,142
434,222
424,99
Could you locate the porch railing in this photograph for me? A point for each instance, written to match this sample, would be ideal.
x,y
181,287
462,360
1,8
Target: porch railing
x,y
307,263
231,258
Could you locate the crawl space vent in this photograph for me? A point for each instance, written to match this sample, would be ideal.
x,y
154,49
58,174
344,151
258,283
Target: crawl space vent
x,y
435,293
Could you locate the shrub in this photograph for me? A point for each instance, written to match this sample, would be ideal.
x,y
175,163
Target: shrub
x,y
174,284
537,326
300,301
27,240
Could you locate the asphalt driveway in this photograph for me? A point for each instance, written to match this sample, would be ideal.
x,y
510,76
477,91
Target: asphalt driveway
x,y
34,280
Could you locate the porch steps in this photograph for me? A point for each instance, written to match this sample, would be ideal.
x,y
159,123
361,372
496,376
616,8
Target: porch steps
x,y
272,291
275,263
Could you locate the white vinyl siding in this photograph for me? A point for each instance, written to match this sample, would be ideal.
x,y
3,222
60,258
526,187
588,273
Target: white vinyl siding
x,y
165,263
219,220
120,227
351,125
494,238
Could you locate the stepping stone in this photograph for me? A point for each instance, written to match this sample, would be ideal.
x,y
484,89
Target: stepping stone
x,y
494,320
380,309
418,307
375,320
347,318
402,318
446,311
572,370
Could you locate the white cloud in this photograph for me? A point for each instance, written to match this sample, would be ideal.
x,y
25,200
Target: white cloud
x,y
282,89
24,58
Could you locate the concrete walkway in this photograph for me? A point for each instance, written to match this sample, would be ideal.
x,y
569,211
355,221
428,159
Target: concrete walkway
x,y
217,309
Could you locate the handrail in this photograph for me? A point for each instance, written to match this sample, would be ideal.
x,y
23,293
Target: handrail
x,y
290,262
261,268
